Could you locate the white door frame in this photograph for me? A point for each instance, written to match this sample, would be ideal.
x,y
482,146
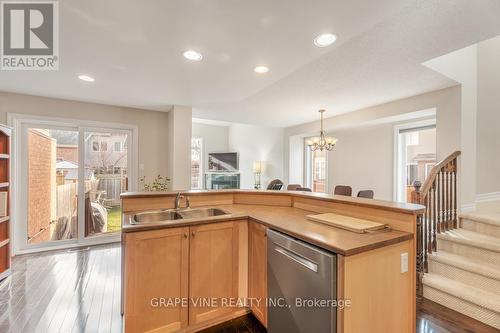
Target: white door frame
x,y
20,183
309,168
399,173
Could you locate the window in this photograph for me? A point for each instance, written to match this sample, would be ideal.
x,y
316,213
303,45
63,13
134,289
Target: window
x,y
99,146
196,163
415,155
428,168
316,170
411,174
118,146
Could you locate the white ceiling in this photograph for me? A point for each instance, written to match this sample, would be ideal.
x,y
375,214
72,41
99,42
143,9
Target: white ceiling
x,y
134,51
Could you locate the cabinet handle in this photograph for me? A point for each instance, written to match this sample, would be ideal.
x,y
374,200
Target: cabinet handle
x,y
185,235
192,234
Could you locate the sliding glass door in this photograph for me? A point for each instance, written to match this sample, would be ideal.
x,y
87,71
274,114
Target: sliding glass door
x,y
106,176
52,175
68,181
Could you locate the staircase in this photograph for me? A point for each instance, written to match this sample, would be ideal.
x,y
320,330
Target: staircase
x,y
458,256
464,273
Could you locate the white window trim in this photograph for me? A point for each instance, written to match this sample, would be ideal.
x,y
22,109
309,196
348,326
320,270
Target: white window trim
x,y
18,183
398,171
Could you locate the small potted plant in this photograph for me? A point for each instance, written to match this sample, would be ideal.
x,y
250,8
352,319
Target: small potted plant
x,y
159,184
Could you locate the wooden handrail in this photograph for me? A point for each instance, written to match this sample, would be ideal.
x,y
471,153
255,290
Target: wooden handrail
x,y
426,186
438,194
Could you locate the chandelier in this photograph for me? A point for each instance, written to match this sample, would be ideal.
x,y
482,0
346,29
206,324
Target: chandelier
x,y
321,142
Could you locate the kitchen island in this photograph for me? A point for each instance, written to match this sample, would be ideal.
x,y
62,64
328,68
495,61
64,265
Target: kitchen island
x,y
224,257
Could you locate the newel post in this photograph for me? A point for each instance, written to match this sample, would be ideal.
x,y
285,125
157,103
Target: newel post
x,y
416,195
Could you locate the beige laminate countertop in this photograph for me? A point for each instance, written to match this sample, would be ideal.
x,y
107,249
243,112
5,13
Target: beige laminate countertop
x,y
293,222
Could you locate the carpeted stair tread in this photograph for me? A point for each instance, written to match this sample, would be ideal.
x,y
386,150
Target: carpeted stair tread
x,y
466,264
471,238
487,218
462,291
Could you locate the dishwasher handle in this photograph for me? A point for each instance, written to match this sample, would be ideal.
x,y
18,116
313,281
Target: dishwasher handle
x,y
298,259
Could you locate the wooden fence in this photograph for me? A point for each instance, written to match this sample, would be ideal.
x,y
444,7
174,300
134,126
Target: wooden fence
x,y
112,186
67,208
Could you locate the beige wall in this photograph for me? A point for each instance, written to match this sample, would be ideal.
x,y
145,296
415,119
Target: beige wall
x,y
363,159
152,125
366,139
179,147
215,139
488,116
257,143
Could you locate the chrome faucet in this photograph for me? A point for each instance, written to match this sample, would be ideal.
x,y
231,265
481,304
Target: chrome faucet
x,y
178,198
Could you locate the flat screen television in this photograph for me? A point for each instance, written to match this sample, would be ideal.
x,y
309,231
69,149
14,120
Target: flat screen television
x,y
222,162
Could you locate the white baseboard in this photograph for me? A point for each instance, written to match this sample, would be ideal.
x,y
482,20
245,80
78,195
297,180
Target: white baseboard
x,y
468,208
481,198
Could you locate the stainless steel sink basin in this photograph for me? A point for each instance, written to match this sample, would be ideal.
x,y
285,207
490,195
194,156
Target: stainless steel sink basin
x,y
155,216
159,216
201,212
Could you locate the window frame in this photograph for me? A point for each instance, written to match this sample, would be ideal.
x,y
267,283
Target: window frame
x,y
201,182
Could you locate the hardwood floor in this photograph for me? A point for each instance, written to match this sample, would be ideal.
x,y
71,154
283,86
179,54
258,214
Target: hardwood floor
x,y
434,318
245,324
79,291
63,291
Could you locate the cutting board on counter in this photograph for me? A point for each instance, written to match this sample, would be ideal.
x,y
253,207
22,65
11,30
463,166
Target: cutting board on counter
x,y
346,222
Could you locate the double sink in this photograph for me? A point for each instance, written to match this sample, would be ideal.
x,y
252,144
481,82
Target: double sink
x,y
169,215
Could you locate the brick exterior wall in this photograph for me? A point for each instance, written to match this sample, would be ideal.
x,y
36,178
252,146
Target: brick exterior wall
x,y
67,153
41,185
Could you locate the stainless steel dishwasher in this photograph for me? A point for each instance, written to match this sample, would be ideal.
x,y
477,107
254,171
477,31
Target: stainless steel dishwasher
x,y
299,273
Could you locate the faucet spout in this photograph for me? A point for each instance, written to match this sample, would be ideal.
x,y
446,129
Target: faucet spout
x,y
178,198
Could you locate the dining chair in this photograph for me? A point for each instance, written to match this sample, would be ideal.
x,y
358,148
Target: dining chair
x,y
343,190
275,184
365,194
305,189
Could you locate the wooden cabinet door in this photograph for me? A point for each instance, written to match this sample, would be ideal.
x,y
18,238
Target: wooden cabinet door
x,y
156,269
213,269
257,270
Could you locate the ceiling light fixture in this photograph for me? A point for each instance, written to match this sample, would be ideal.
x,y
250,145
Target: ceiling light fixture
x,y
192,55
321,142
261,69
86,78
325,40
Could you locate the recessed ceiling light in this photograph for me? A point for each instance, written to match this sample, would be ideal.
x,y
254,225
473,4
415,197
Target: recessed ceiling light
x,y
86,78
261,69
192,55
325,40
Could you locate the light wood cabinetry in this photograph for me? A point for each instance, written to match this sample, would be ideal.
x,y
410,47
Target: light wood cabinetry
x,y
228,259
257,270
213,270
197,264
156,267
